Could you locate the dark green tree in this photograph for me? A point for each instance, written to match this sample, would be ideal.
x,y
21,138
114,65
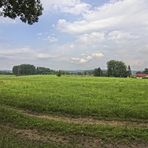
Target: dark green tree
x,y
97,72
43,70
145,71
59,73
116,69
129,72
15,70
24,69
27,10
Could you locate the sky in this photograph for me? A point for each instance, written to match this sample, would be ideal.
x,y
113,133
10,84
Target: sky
x,y
78,35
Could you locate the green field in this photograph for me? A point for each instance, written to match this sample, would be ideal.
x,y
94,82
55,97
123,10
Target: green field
x,y
73,111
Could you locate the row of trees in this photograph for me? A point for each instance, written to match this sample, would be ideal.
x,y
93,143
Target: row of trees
x,y
5,72
27,69
114,69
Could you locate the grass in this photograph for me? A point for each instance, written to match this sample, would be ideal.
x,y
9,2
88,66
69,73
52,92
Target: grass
x,y
19,120
100,98
12,140
84,96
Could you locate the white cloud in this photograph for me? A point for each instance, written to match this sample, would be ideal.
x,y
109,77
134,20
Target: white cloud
x,y
85,26
86,58
97,55
52,39
45,56
6,20
75,7
14,56
120,35
14,52
25,53
125,14
92,38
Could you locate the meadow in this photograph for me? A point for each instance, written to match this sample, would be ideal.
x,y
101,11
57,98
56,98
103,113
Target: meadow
x,y
73,111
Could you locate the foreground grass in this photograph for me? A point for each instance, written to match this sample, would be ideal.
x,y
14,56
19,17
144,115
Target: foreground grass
x,y
100,98
20,120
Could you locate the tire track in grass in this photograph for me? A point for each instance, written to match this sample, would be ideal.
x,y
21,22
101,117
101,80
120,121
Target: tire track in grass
x,y
84,120
88,120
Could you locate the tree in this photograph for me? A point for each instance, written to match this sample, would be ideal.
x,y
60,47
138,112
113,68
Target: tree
x,y
59,73
146,71
129,72
15,70
97,72
27,10
24,69
42,70
116,68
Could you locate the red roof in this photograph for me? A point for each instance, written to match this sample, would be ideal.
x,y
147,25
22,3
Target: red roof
x,y
141,75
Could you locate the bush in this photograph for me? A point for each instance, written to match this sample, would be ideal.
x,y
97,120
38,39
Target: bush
x,y
145,78
59,73
132,76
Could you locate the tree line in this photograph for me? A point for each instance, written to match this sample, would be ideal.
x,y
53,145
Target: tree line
x,y
5,72
114,69
27,69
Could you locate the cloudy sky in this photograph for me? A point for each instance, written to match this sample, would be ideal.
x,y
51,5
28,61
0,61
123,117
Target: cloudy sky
x,y
78,34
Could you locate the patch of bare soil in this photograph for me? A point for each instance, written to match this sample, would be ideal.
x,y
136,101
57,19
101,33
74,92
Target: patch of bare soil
x,y
71,140
56,138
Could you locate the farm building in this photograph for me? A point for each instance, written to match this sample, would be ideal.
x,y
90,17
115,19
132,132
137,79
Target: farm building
x,y
141,75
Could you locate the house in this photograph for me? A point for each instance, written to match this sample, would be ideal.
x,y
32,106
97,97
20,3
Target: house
x,y
141,75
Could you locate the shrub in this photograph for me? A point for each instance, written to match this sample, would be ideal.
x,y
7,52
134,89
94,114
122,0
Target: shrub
x,y
59,73
145,78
